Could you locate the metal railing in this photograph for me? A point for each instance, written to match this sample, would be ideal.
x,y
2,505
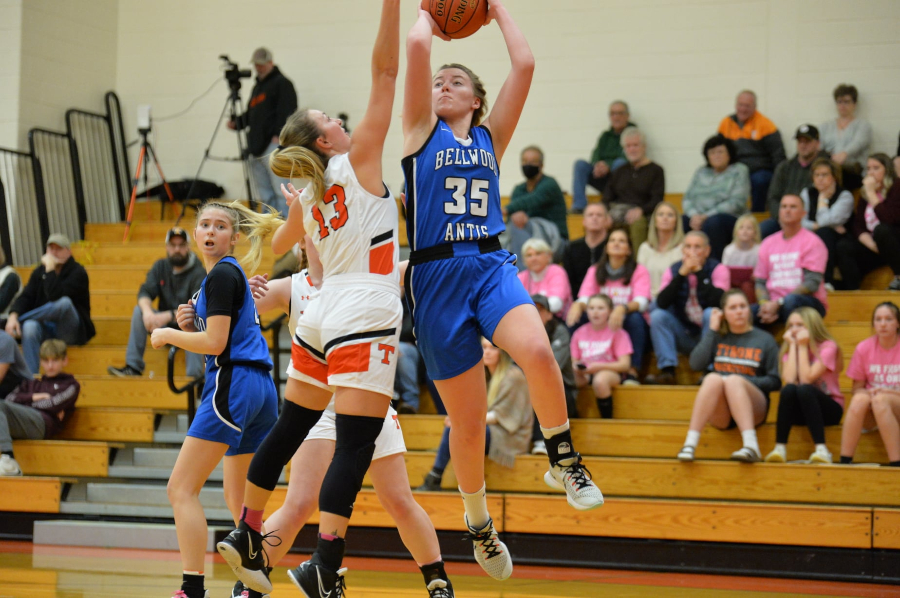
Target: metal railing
x,y
24,207
103,160
190,387
58,156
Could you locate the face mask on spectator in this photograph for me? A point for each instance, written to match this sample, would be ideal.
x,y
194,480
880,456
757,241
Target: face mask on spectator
x,y
530,170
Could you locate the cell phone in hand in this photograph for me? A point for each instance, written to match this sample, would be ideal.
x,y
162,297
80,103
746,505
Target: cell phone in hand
x,y
581,366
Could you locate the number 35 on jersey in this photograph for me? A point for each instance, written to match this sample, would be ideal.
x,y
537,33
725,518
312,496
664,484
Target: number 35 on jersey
x,y
468,197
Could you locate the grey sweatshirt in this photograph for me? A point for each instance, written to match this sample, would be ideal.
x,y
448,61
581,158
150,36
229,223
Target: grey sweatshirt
x,y
753,355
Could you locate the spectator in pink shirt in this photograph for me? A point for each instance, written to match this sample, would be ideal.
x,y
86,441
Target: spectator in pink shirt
x,y
601,356
690,290
811,362
875,371
541,277
790,272
618,276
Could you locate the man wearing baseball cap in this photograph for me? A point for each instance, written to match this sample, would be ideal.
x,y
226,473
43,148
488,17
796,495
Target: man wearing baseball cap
x,y
272,101
173,280
56,303
792,176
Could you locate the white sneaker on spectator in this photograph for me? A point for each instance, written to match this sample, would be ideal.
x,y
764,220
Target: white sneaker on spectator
x,y
821,455
778,455
9,467
746,454
686,454
539,448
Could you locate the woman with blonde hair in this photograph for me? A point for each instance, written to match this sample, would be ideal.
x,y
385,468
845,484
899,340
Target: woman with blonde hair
x,y
346,343
239,404
810,363
509,417
542,277
663,245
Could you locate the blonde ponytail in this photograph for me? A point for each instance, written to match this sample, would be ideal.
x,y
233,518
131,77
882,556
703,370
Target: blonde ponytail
x,y
297,156
256,227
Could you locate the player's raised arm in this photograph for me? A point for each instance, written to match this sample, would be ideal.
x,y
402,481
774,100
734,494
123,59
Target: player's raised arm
x,y
418,115
368,138
508,106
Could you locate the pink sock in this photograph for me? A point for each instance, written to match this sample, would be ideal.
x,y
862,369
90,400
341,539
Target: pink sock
x,y
328,537
252,518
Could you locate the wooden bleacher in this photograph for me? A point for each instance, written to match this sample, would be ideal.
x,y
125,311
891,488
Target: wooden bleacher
x,y
649,494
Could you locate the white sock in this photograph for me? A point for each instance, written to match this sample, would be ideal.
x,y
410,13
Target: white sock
x,y
692,439
749,438
476,508
551,432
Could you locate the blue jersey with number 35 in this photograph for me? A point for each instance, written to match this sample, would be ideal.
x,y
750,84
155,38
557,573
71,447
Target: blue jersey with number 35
x,y
452,189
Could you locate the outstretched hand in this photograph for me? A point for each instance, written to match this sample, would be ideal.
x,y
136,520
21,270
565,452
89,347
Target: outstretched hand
x,y
259,285
435,30
290,193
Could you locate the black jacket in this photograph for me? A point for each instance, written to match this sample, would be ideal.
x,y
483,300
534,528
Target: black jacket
x,y
44,287
272,101
172,289
674,297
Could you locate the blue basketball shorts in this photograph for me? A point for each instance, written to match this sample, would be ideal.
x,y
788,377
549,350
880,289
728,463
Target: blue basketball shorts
x,y
457,300
239,407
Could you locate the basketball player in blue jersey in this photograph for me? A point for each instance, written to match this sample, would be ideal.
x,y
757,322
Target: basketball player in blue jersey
x,y
460,284
239,404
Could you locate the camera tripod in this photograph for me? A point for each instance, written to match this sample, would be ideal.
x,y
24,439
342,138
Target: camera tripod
x,y
234,107
149,153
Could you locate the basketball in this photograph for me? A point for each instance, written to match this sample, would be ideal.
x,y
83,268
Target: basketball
x,y
457,18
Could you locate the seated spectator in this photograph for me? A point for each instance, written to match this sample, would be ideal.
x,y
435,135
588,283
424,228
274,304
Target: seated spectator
x,y
875,371
790,272
538,197
543,277
583,253
37,409
742,362
742,254
13,369
828,208
605,159
663,245
691,289
173,280
601,356
619,276
874,238
634,189
10,285
810,364
717,194
847,138
792,176
509,416
56,303
559,342
758,142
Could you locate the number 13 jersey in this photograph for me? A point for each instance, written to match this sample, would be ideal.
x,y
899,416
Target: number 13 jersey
x,y
452,189
354,231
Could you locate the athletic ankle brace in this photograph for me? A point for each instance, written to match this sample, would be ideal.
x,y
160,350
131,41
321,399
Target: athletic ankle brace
x,y
280,444
433,571
560,447
329,553
353,452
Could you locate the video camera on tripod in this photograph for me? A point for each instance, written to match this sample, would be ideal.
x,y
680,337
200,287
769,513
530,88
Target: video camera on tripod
x,y
233,73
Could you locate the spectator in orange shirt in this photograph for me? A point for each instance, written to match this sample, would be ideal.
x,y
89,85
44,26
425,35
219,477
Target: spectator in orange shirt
x,y
758,142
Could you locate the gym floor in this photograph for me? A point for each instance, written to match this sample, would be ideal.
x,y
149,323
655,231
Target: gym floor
x,y
28,571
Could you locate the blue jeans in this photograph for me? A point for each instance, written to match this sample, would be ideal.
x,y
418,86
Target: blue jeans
x,y
583,175
759,188
719,228
137,344
442,459
55,319
791,302
636,327
406,382
267,185
670,336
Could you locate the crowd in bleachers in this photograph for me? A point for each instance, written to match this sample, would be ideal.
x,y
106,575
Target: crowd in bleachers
x,y
713,279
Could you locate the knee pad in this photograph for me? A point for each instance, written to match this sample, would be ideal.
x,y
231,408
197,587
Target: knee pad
x,y
353,452
280,444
